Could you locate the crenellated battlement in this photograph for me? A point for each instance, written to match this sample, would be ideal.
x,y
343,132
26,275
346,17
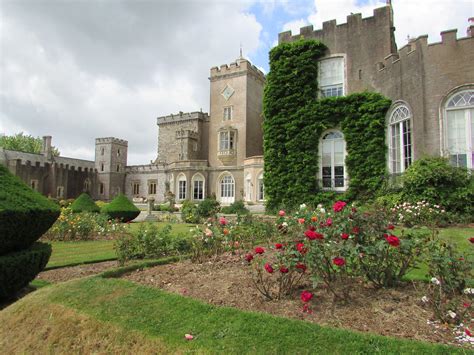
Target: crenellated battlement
x,y
239,67
355,23
448,40
182,116
109,140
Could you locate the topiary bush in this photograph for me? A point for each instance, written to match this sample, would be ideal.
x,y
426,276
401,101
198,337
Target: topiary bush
x,y
18,269
84,203
434,180
24,213
121,208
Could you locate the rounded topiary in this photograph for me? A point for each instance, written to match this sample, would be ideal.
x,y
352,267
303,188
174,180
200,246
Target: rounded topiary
x,y
25,214
121,208
18,269
84,203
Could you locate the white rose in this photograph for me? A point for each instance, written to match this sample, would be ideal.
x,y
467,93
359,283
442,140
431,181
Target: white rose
x,y
435,281
452,314
424,299
469,291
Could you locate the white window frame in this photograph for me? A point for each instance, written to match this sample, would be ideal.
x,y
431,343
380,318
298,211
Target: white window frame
x,y
400,119
226,140
345,176
334,86
226,188
260,187
457,102
181,187
228,113
199,179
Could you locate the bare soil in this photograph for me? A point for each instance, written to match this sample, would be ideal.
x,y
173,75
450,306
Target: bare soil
x,y
226,281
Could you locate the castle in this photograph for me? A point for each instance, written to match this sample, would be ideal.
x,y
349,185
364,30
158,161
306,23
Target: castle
x,y
220,153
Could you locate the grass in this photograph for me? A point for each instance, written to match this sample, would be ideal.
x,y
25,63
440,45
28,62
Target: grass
x,y
86,252
122,313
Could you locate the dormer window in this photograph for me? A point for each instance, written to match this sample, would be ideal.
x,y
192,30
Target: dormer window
x,y
331,77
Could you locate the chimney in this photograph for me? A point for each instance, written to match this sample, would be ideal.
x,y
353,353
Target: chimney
x,y
47,151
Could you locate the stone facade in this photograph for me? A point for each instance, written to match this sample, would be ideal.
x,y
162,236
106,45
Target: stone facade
x,y
221,153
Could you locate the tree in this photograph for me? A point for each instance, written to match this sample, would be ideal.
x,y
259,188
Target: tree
x,y
24,143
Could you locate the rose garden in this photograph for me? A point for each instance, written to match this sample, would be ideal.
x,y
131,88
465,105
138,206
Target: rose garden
x,y
385,266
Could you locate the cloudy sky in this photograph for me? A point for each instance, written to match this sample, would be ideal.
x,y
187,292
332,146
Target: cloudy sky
x,y
81,69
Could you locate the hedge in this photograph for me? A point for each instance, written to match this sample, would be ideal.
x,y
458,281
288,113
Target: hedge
x,y
84,203
294,120
121,208
25,214
18,269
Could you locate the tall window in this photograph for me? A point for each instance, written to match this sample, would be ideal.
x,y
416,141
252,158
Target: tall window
x,y
101,166
227,113
331,77
198,187
248,187
261,189
87,185
333,170
101,188
226,140
102,151
400,140
227,187
136,188
460,129
182,187
152,187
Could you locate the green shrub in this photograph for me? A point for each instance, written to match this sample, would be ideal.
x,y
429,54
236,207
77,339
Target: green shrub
x,y
121,208
238,207
189,212
84,203
24,214
150,243
434,180
208,208
18,269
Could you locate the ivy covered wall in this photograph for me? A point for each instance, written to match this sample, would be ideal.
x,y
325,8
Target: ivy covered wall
x,y
295,119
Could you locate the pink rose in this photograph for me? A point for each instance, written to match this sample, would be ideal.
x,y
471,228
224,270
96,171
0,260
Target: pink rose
x,y
281,213
339,206
301,220
222,221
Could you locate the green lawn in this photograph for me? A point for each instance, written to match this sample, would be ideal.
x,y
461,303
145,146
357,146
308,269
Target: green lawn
x,y
116,306
75,253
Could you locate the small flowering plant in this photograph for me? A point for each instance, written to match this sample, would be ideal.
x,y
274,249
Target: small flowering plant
x,y
420,213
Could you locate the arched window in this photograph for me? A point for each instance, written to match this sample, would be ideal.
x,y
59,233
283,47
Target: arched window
x,y
248,187
198,187
260,187
400,142
227,189
459,135
181,187
333,152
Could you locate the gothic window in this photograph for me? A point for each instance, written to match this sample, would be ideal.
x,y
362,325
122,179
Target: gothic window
x,y
333,151
226,140
182,187
459,135
261,189
227,189
136,188
198,187
331,77
400,139
152,187
228,113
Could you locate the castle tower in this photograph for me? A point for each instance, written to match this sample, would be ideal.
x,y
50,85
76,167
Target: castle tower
x,y
235,130
110,162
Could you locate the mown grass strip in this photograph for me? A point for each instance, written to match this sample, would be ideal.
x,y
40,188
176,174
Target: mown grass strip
x,y
168,317
77,253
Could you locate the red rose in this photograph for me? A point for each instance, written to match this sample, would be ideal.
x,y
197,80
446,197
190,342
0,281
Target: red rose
x,y
300,266
391,227
284,270
356,230
311,235
222,221
269,268
300,247
339,206
312,228
259,250
306,296
249,257
338,261
345,236
281,213
468,332
278,246
329,222
393,240
471,239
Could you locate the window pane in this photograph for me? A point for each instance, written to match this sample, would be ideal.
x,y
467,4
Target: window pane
x,y
456,131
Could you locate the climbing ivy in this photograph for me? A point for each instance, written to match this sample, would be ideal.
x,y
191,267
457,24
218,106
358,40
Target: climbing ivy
x,y
295,119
